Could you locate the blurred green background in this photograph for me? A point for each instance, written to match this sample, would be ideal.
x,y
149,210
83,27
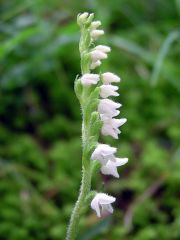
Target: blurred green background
x,y
40,121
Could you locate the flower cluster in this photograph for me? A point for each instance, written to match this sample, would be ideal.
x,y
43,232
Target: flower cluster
x,y
107,109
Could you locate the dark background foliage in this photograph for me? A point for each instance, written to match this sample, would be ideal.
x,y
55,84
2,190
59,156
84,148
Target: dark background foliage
x,y
40,121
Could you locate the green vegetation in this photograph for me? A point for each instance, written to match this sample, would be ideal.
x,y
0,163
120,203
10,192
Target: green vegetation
x,y
40,121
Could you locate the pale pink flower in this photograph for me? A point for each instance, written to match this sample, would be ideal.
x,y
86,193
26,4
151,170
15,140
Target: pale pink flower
x,y
101,203
89,78
104,153
111,167
109,77
108,107
108,90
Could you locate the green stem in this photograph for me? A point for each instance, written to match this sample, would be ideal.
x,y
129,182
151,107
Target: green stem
x,y
75,216
84,189
86,164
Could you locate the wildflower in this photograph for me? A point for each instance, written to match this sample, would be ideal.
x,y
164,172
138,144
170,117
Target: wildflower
x,y
103,153
97,55
82,17
89,78
108,107
111,167
103,48
108,90
96,113
95,64
101,203
109,77
96,33
95,25
111,126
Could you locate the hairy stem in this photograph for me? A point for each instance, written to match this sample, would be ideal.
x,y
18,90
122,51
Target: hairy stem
x,y
84,189
86,165
75,216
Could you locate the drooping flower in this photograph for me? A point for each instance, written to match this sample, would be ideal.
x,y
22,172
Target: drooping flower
x,y
109,77
108,107
89,78
111,167
108,90
111,126
101,203
104,153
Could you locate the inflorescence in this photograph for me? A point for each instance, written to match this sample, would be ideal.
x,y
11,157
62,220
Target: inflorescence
x,y
105,108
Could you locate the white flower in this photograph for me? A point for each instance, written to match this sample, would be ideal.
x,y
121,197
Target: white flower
x,y
97,55
111,126
103,48
108,107
96,33
95,24
104,153
111,167
89,78
108,90
95,64
101,203
83,16
109,77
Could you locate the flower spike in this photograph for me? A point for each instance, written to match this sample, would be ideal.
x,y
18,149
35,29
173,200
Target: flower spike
x,y
98,117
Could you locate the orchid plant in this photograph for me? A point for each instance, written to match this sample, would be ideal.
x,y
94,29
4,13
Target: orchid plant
x,y
98,117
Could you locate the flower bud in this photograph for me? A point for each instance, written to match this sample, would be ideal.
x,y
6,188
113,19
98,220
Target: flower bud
x,y
82,18
95,25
